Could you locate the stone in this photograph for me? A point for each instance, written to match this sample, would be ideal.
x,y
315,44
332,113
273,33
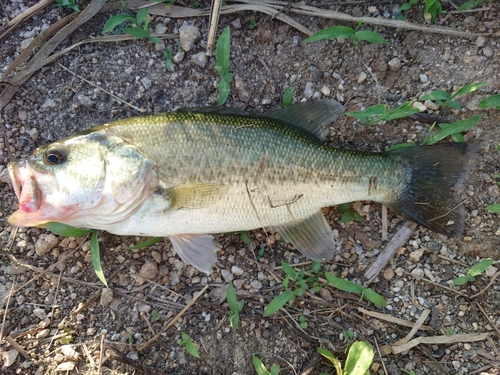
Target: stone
x,y
106,296
200,59
9,357
146,82
237,270
188,35
227,276
149,270
394,64
45,243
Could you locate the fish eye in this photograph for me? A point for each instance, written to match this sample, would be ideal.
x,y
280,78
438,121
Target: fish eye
x,y
54,156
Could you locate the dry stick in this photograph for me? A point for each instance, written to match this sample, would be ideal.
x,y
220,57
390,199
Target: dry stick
x,y
465,337
7,308
174,320
415,328
392,319
392,247
488,319
25,15
214,22
18,347
101,353
102,89
487,286
380,355
438,285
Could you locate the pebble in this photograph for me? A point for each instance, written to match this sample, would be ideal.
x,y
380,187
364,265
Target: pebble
x,y
487,51
325,90
480,41
160,28
416,255
227,276
200,59
106,296
25,43
388,274
423,78
69,352
326,295
179,56
65,366
23,115
361,77
188,35
9,357
43,333
156,256
49,104
372,10
236,23
256,284
431,105
394,64
491,271
149,270
45,243
421,107
237,270
309,90
418,272
84,100
146,82
40,313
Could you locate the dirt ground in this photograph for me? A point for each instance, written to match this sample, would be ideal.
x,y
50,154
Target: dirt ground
x,y
62,320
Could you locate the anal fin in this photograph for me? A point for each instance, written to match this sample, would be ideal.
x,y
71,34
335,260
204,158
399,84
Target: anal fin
x,y
313,237
197,250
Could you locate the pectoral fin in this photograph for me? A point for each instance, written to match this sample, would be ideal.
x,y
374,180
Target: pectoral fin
x,y
313,237
197,250
195,195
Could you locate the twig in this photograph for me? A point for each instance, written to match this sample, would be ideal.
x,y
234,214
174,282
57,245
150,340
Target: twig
x,y
174,320
392,247
25,15
18,347
415,328
438,285
466,337
7,308
392,319
101,354
312,365
214,22
102,89
488,319
487,286
380,355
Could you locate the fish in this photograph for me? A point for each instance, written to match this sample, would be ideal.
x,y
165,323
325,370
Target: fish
x,y
190,174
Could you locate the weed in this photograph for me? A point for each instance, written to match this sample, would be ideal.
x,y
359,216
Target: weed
x,y
379,112
252,24
146,243
67,336
475,270
69,231
190,346
450,332
222,57
433,8
348,213
349,286
343,32
358,362
445,99
288,97
348,336
303,322
453,130
470,4
70,4
492,101
262,370
494,208
168,58
155,315
234,305
140,21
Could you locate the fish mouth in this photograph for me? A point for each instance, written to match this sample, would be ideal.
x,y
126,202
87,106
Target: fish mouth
x,y
26,188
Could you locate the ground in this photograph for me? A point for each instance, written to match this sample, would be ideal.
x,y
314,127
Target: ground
x,y
58,317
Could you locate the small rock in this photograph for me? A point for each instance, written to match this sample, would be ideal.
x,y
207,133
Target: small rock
x,y
188,35
399,271
33,133
156,256
179,56
394,65
106,296
43,333
146,82
309,90
149,270
416,255
236,23
40,313
372,10
65,366
388,274
480,41
325,90
431,105
14,269
256,285
160,28
487,51
490,271
227,276
200,59
361,77
421,107
326,295
45,243
423,78
238,284
8,358
418,272
84,100
23,115
69,352
25,43
237,270
145,308
49,104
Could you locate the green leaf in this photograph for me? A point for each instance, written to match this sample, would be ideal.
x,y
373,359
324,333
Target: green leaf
x,y
222,52
223,91
452,103
461,280
245,237
347,217
141,16
374,297
288,97
259,366
342,284
190,347
115,21
64,229
96,257
328,355
478,268
470,4
436,95
146,243
136,32
492,101
469,88
275,369
345,207
359,358
494,208
449,129
155,315
369,36
278,302
234,305
333,32
289,270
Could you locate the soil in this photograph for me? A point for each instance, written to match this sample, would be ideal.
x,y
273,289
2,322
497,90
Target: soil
x,y
61,319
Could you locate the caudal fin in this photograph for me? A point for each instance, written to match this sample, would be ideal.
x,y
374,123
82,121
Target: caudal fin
x,y
431,197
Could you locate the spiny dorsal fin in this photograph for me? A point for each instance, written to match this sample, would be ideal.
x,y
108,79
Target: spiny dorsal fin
x,y
309,116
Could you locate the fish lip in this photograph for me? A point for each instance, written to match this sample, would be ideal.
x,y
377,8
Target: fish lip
x,y
15,176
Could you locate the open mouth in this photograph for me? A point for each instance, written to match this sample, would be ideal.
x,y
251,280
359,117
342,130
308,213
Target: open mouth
x,y
25,186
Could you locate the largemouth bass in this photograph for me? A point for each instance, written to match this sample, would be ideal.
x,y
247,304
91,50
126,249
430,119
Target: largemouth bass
x,y
190,174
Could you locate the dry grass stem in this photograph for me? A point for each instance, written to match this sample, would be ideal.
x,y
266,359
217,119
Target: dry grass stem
x,y
392,319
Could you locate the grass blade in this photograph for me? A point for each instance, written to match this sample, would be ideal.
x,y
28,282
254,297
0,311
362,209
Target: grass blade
x,y
64,229
96,257
492,101
278,302
369,36
333,32
436,95
146,243
469,88
449,129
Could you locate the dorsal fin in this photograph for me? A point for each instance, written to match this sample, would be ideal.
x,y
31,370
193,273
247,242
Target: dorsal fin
x,y
309,116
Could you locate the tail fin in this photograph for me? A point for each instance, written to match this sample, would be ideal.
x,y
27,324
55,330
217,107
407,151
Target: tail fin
x,y
431,197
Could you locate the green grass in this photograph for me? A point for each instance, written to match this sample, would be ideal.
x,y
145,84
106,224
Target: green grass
x,y
492,101
380,112
358,362
222,57
475,270
234,305
70,4
287,97
355,36
168,58
445,99
189,345
261,369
